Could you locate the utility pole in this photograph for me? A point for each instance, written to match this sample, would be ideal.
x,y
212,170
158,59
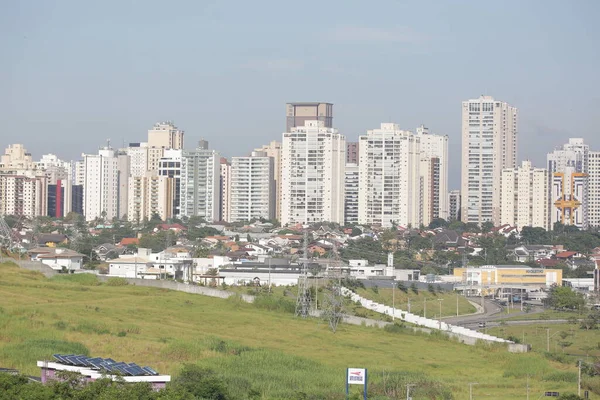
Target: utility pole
x,y
527,387
269,274
579,380
457,304
547,340
409,304
424,308
440,301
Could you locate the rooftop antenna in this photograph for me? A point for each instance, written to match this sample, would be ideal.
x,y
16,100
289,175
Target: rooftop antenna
x,y
303,297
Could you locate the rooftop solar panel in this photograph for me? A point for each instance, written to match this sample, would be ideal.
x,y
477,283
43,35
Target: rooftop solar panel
x,y
150,370
107,365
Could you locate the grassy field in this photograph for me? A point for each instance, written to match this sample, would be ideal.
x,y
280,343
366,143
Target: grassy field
x,y
272,352
419,301
585,343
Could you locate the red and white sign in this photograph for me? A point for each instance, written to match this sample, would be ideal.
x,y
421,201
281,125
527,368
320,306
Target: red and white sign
x,y
357,376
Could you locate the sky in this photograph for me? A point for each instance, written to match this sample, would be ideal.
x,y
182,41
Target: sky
x,y
74,74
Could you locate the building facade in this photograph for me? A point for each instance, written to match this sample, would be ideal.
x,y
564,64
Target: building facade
x,y
313,159
524,197
390,188
106,184
352,153
594,189
434,174
24,193
454,205
150,195
169,166
489,145
273,150
200,190
297,114
252,189
351,194
225,186
569,167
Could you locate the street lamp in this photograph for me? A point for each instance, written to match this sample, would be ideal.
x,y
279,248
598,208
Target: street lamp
x,y
471,389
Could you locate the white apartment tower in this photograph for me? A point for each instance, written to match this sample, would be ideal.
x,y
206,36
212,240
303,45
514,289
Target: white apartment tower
x,y
489,145
569,172
351,194
313,159
200,192
106,184
434,174
524,197
594,189
252,188
16,157
389,177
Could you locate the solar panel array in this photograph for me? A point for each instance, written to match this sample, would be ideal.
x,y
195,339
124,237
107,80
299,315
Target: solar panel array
x,y
107,365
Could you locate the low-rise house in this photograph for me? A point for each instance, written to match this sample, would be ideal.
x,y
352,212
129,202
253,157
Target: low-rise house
x,y
107,251
58,258
129,242
147,265
530,252
52,239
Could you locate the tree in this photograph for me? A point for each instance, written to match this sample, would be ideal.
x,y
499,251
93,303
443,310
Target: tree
x,y
437,223
487,226
564,298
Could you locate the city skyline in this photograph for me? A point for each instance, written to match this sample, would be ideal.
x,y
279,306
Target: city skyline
x,y
88,74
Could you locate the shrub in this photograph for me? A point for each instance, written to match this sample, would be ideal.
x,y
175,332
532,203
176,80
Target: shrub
x,y
203,383
122,334
275,303
116,281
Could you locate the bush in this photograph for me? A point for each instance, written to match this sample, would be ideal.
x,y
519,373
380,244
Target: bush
x,y
274,303
116,281
203,383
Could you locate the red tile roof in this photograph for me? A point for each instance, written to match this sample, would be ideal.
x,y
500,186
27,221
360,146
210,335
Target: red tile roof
x,y
128,241
566,254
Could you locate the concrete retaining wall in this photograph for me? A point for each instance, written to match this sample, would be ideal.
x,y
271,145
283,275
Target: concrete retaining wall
x,y
37,266
182,287
463,334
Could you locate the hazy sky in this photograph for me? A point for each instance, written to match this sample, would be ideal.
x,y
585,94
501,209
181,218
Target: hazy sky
x,y
75,73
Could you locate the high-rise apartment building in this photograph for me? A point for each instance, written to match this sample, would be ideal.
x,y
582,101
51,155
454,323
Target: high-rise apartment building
x,y
106,184
23,193
16,157
200,189
169,166
352,153
568,197
252,187
524,197
312,172
165,135
138,159
434,174
594,189
273,150
454,205
389,177
297,114
225,185
489,145
150,195
59,175
569,168
351,194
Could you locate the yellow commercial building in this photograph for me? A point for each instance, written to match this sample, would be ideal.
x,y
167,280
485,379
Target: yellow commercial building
x,y
492,275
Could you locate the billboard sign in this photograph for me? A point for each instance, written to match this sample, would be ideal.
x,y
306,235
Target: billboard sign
x,y
357,376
